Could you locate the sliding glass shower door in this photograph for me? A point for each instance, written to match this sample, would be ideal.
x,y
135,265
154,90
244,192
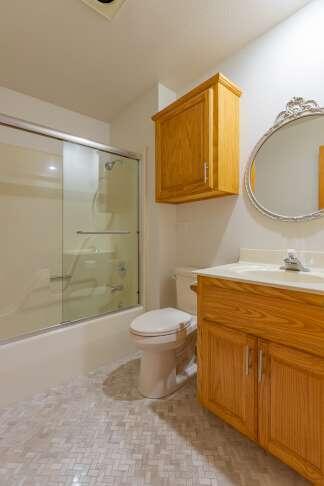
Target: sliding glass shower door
x,y
31,232
69,232
100,232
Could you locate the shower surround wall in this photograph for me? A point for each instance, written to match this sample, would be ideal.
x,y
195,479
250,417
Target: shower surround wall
x,y
35,363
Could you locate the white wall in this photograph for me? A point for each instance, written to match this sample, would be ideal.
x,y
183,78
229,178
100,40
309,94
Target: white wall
x,y
288,61
135,129
40,112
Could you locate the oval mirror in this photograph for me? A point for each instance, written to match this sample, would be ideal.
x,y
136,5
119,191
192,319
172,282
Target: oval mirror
x,y
285,174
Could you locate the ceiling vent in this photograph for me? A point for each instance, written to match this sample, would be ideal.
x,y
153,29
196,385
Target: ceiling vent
x,y
107,8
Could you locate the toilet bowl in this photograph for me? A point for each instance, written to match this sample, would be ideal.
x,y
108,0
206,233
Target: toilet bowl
x,y
167,339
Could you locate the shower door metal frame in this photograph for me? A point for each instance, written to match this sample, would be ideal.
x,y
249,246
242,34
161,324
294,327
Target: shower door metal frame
x,y
12,122
18,123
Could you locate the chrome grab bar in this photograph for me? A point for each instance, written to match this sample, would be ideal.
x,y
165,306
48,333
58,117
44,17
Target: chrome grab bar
x,y
60,277
103,232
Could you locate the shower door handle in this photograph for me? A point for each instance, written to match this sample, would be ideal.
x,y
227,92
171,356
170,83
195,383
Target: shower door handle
x,y
103,232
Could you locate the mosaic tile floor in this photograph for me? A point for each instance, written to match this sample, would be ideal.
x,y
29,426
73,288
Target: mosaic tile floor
x,y
98,430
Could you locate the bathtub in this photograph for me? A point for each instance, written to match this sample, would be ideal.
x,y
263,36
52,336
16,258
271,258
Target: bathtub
x,y
33,364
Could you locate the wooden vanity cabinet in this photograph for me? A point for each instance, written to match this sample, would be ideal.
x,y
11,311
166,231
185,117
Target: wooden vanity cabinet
x,y
197,144
261,367
227,381
291,408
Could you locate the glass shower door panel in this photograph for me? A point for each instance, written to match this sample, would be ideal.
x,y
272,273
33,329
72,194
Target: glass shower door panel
x,y
100,232
31,235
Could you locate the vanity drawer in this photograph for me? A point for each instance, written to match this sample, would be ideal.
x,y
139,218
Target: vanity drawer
x,y
278,315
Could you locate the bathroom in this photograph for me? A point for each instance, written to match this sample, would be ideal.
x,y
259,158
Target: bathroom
x,y
88,249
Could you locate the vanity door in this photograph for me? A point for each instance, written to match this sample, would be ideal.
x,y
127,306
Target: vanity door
x,y
291,408
227,380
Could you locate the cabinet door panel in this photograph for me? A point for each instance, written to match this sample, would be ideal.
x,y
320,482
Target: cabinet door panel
x,y
184,148
227,376
291,408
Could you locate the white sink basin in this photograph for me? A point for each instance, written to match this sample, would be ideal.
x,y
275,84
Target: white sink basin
x,y
282,275
269,274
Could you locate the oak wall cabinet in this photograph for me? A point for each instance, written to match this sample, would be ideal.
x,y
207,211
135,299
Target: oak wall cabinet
x,y
261,367
197,144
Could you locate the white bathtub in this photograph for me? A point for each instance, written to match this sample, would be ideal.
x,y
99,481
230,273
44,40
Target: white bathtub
x,y
34,364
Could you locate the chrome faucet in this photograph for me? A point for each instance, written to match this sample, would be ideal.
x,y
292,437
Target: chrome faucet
x,y
292,262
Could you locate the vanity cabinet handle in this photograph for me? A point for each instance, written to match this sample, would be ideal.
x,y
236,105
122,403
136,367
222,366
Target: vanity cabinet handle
x,y
260,366
247,360
205,172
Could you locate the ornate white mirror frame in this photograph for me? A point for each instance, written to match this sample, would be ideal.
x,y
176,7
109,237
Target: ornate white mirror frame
x,y
296,108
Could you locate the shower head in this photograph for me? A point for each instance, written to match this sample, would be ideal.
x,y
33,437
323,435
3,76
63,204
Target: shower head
x,y
110,164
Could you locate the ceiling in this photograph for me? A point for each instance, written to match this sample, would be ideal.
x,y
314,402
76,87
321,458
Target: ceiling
x,y
64,52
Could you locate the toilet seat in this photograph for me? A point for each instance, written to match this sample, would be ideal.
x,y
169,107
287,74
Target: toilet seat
x,y
161,322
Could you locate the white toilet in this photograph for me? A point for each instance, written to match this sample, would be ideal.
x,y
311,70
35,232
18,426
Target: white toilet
x,y
167,339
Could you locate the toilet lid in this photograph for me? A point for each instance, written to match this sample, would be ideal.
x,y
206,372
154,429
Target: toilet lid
x,y
160,322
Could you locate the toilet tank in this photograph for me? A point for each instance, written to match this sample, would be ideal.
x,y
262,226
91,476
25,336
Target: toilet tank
x,y
186,298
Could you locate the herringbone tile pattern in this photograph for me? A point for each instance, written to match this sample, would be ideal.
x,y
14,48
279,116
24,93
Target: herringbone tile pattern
x,y
97,430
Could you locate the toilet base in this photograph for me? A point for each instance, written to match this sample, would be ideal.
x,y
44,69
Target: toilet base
x,y
158,377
